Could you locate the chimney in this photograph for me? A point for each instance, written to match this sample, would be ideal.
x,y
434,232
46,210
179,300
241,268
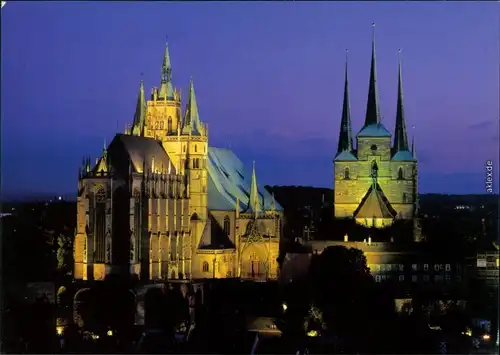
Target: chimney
x,y
346,238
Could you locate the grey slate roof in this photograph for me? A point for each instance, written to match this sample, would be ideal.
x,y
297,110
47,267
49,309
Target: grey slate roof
x,y
374,130
345,156
403,155
228,180
375,205
139,148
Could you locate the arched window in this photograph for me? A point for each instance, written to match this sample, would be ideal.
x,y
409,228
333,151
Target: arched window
x,y
195,148
400,174
374,172
346,174
172,274
169,125
227,225
206,267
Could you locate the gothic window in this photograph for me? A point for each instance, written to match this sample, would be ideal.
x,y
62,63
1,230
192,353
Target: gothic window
x,y
169,125
374,171
227,225
400,174
346,174
100,195
206,267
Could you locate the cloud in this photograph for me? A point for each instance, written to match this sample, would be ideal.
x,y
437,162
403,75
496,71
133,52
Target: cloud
x,y
481,125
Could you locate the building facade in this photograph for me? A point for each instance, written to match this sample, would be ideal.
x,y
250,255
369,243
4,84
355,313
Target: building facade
x,y
161,203
376,180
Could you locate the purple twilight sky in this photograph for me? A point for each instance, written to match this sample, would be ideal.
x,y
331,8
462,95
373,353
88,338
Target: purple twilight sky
x,y
268,79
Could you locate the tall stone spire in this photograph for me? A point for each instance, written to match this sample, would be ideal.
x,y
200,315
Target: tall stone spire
x,y
400,134
166,88
345,136
253,201
373,105
192,123
140,113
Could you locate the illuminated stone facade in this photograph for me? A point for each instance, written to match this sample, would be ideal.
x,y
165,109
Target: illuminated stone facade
x,y
162,204
375,182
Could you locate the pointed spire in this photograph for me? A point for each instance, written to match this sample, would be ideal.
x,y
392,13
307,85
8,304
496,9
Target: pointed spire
x,y
372,105
413,150
400,135
253,200
345,136
192,123
140,113
166,88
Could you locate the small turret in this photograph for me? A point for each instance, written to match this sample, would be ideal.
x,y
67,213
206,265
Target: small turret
x,y
140,113
192,124
166,91
253,200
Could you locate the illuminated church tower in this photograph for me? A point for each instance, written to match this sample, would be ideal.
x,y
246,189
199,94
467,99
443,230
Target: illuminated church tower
x,y
184,140
375,182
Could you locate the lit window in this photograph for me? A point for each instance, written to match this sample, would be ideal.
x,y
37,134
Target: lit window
x,y
206,267
377,278
389,267
401,277
426,267
436,267
377,267
448,267
401,267
448,277
498,262
414,267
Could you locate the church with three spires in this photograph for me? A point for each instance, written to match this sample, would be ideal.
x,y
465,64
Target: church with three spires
x,y
163,204
375,182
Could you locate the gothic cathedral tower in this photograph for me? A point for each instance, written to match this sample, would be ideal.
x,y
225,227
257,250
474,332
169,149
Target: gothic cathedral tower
x,y
375,183
185,140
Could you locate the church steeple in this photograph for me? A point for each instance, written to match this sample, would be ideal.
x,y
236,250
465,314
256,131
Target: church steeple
x,y
253,201
140,113
400,135
192,124
345,136
373,106
166,88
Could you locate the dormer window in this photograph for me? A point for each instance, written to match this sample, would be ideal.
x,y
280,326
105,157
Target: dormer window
x,y
400,174
346,174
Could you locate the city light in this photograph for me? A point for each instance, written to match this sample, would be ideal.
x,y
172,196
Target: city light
x,y
60,330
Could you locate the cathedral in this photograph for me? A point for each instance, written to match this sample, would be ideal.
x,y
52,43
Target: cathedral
x,y
375,182
162,204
